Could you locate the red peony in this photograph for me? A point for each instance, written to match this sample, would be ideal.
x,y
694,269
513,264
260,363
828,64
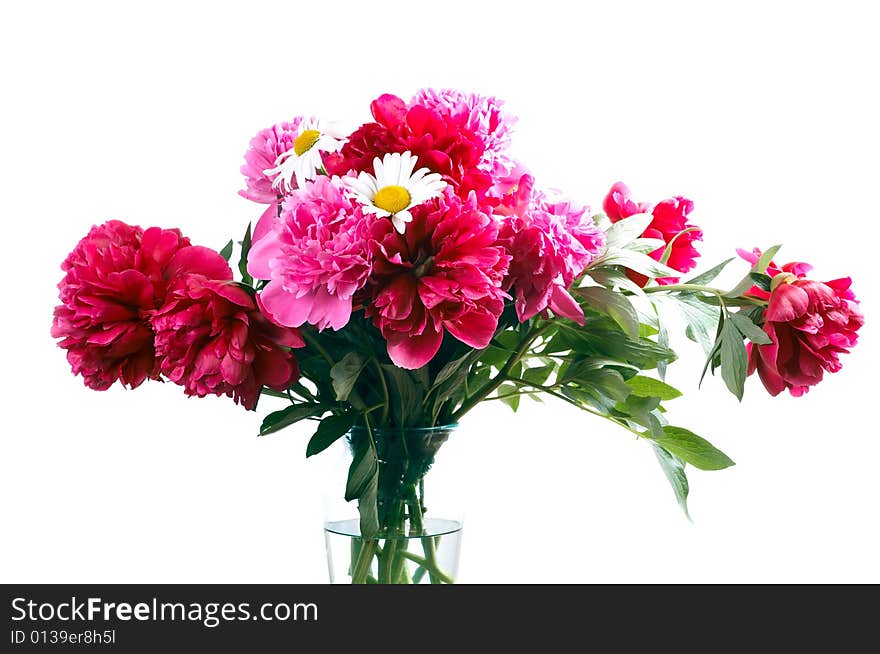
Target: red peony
x,y
443,143
670,222
114,279
212,339
811,324
444,273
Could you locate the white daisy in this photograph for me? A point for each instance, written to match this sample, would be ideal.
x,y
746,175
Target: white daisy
x,y
304,159
395,188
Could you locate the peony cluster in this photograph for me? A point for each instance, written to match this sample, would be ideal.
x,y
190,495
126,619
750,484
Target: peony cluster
x,y
139,304
421,218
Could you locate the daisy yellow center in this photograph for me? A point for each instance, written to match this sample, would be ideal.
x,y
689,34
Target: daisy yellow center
x,y
392,199
305,141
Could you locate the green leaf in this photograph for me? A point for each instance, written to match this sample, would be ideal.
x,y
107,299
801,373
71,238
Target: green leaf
x,y
602,381
701,318
761,280
693,449
667,252
709,275
611,279
226,252
614,304
539,374
406,401
363,484
447,371
345,372
640,263
734,359
650,387
242,262
673,468
330,429
624,232
513,400
750,330
646,245
641,411
765,259
278,420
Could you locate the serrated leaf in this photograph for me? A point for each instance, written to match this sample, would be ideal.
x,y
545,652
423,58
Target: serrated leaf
x,y
330,429
692,449
242,262
345,372
750,330
614,304
734,359
650,387
287,416
706,277
226,252
624,232
673,469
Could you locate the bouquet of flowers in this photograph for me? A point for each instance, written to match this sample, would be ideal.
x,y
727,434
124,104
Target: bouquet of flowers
x,y
405,272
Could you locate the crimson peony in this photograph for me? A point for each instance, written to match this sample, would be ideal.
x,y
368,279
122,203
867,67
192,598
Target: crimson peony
x,y
811,324
212,339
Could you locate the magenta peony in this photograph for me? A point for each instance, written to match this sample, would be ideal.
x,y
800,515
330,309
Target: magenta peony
x,y
315,257
811,323
115,278
444,273
669,225
212,339
550,244
442,142
262,154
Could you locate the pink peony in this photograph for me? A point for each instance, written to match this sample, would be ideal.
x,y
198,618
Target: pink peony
x,y
797,268
212,339
444,273
811,324
315,256
264,150
670,221
551,243
115,278
442,143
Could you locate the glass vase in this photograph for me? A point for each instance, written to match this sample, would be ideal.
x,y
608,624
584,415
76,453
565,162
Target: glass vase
x,y
414,544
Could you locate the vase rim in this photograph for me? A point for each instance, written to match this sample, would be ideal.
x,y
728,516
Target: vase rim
x,y
447,427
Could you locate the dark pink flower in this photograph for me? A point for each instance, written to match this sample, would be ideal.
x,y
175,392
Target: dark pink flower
x,y
811,323
797,268
115,278
442,143
212,339
550,243
669,225
443,274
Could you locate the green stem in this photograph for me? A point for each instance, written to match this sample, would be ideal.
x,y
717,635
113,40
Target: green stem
x,y
365,558
499,379
313,343
384,384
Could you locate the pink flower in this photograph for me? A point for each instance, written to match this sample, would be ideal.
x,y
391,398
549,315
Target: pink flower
x,y
811,324
442,143
315,256
444,273
480,115
670,222
551,243
212,339
115,278
264,150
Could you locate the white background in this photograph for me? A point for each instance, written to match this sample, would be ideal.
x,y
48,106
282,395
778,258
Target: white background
x,y
765,114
